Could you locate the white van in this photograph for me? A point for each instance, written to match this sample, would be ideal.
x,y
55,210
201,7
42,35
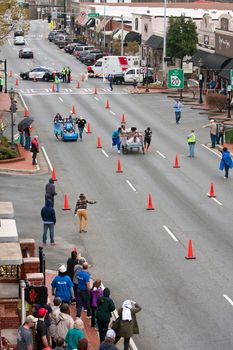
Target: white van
x,y
112,65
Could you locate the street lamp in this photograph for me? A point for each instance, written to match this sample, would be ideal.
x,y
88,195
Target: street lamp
x,y
12,96
201,81
5,74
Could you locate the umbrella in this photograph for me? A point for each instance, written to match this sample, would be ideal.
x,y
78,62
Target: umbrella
x,y
25,123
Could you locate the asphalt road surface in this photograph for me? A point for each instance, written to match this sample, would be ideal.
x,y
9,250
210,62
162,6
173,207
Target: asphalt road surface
x,y
139,254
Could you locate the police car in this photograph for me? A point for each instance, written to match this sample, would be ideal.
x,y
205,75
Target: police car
x,y
39,73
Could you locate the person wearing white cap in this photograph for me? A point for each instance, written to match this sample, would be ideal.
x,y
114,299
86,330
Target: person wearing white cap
x,y
62,286
213,132
108,343
24,337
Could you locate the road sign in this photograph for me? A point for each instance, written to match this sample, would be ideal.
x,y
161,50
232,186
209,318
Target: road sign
x,y
93,15
175,79
232,78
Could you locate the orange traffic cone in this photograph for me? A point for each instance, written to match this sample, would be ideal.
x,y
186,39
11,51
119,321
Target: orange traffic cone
x,y
107,104
150,204
53,87
54,176
123,119
95,91
211,194
78,85
75,249
17,82
88,128
83,77
119,170
98,143
176,164
190,251
34,77
10,75
73,110
66,205
25,112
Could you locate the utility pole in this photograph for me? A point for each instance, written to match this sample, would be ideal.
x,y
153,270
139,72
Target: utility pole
x,y
104,22
122,35
164,40
64,5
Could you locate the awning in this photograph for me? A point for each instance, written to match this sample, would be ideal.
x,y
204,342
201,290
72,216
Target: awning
x,y
85,21
102,24
155,42
117,35
225,73
198,57
133,36
215,61
90,23
80,18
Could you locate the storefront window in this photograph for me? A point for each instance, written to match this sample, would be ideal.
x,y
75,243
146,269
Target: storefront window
x,y
224,24
136,23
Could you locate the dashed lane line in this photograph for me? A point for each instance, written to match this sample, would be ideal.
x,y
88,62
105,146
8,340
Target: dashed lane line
x,y
170,233
60,99
106,155
214,199
130,185
112,112
228,299
96,98
161,155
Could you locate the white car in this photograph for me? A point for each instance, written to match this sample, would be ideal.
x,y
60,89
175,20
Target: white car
x,y
19,40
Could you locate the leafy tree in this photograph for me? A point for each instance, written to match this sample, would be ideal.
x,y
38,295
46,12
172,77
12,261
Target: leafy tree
x,y
182,38
11,15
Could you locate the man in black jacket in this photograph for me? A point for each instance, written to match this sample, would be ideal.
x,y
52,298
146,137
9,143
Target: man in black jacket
x,y
48,216
81,122
50,191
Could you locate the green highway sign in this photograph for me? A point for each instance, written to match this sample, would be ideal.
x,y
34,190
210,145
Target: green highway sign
x,y
93,15
232,78
175,79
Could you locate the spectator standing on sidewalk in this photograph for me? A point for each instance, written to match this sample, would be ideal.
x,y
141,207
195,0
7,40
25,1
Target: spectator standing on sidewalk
x,y
62,323
48,216
108,343
60,344
177,107
62,286
34,149
42,334
78,267
1,84
81,211
71,262
128,325
191,138
73,335
103,314
24,336
213,132
83,291
50,191
226,161
27,136
96,293
221,131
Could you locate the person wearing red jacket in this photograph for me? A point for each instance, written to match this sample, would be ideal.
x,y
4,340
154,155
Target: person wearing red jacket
x,y
34,149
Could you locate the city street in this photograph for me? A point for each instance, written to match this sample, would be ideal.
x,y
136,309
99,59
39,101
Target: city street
x,y
139,254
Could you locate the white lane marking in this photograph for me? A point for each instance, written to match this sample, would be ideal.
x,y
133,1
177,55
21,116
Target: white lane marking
x,y
47,158
47,90
129,183
60,99
161,155
85,129
214,199
26,42
9,42
96,98
89,90
85,90
16,75
170,233
70,90
104,90
211,150
106,155
228,299
112,112
22,99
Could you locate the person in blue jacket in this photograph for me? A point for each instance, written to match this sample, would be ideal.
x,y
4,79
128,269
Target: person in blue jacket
x,y
48,216
116,139
62,286
226,161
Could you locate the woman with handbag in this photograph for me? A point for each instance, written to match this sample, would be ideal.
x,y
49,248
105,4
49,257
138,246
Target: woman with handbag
x,y
127,324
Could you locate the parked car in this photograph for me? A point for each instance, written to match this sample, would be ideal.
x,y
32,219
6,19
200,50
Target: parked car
x,y
58,37
40,73
91,58
26,52
70,48
87,52
80,49
52,34
19,40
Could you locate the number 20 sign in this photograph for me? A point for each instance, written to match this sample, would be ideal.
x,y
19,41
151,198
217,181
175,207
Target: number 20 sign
x,y
175,79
